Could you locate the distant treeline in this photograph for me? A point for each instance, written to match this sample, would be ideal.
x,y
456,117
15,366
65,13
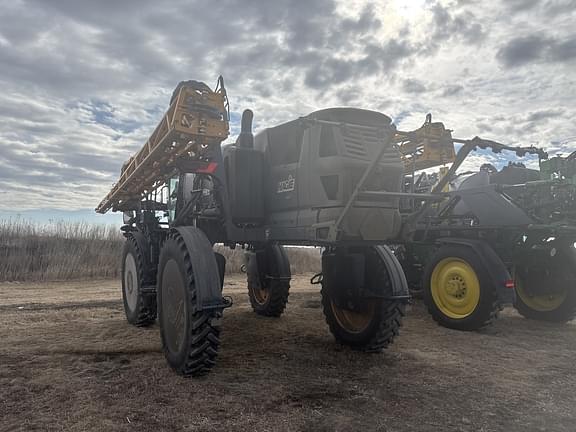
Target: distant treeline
x,y
67,250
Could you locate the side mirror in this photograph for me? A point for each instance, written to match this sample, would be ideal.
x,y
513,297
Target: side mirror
x,y
128,216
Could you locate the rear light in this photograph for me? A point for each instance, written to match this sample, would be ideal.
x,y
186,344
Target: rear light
x,y
509,283
209,169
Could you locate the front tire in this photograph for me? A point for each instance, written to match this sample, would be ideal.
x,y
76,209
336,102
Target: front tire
x,y
458,290
190,338
139,306
366,324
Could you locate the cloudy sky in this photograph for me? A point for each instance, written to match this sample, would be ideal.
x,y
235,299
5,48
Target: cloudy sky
x,y
83,83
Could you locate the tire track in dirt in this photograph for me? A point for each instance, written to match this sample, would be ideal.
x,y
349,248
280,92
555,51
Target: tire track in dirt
x,y
60,306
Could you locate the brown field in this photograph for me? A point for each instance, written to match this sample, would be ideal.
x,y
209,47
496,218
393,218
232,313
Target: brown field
x,y
69,362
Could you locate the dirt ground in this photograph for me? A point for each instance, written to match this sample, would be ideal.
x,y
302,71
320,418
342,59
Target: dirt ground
x,y
69,361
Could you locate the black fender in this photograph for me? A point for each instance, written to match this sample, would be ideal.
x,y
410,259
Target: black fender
x,y
496,268
206,271
344,269
257,262
400,289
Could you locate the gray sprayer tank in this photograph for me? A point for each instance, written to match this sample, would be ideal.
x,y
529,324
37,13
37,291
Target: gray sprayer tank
x,y
312,165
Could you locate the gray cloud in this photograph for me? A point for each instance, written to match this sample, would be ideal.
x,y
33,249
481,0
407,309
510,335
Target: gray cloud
x,y
413,86
537,48
542,115
313,45
375,59
557,7
452,90
520,5
85,83
523,50
464,26
550,8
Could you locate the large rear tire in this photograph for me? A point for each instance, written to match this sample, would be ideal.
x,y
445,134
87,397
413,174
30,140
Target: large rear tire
x,y
366,324
190,338
269,281
557,307
458,289
139,306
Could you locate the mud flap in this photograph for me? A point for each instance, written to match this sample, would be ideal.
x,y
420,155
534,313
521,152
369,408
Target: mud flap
x,y
259,262
400,289
221,262
346,274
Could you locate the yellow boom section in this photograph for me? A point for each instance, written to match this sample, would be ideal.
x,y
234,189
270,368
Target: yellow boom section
x,y
196,121
429,146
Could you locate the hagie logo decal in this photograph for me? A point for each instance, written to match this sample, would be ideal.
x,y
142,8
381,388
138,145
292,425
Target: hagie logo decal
x,y
287,185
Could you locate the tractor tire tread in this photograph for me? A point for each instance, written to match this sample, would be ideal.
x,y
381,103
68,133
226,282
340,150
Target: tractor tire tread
x,y
203,341
279,292
388,328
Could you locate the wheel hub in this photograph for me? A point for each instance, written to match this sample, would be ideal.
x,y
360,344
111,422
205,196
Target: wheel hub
x,y
354,321
130,282
261,293
455,288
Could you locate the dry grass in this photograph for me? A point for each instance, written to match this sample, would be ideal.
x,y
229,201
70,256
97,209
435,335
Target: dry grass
x,y
64,251
302,260
57,251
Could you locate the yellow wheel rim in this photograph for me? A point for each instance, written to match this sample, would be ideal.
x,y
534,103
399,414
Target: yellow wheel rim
x,y
455,288
354,321
540,303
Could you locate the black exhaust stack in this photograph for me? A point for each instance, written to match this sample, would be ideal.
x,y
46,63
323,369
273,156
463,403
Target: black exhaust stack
x,y
246,139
